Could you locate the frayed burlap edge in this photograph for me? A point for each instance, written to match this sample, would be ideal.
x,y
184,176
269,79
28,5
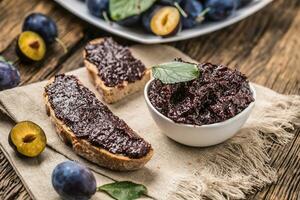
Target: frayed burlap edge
x,y
240,166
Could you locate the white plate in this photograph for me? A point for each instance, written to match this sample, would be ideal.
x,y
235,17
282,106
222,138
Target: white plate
x,y
79,8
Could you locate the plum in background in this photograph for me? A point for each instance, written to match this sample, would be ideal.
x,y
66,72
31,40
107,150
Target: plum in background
x,y
147,16
42,25
242,3
130,21
166,21
97,7
170,2
9,76
194,9
162,20
73,181
220,9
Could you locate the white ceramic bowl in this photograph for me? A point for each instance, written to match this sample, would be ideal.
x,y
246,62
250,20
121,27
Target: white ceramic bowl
x,y
137,34
199,136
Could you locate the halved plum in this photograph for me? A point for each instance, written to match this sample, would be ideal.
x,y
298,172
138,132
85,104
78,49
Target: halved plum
x,y
166,21
27,139
31,46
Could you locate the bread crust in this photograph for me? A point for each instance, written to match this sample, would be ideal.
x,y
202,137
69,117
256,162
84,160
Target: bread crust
x,y
90,152
113,94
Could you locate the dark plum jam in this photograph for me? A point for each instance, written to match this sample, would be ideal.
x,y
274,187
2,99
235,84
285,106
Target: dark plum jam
x,y
115,63
90,119
219,93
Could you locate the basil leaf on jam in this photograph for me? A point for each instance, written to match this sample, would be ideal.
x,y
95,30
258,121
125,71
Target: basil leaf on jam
x,y
124,190
175,72
121,9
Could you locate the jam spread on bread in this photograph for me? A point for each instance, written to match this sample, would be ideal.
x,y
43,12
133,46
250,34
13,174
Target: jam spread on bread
x,y
90,119
114,62
219,93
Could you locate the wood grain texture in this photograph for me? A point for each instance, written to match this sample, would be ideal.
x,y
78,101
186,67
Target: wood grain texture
x,y
265,46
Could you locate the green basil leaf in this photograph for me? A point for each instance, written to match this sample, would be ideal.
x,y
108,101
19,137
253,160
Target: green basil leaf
x,y
175,72
124,190
121,9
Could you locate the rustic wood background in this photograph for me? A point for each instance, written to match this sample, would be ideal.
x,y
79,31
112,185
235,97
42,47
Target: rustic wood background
x,y
265,46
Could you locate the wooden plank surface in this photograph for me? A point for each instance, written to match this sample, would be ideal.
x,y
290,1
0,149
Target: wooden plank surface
x,y
265,46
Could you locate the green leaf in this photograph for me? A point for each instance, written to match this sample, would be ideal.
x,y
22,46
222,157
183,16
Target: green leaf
x,y
175,72
124,190
121,9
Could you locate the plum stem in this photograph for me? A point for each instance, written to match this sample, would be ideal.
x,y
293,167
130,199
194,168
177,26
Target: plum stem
x,y
15,61
9,62
182,12
62,45
106,18
200,17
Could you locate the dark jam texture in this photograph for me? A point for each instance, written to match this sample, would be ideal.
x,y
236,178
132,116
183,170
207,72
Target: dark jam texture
x,y
115,63
217,95
90,119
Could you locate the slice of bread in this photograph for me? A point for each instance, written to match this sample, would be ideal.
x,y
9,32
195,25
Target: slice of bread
x,y
93,153
118,92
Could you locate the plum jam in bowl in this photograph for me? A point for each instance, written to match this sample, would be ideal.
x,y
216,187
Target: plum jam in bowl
x,y
205,111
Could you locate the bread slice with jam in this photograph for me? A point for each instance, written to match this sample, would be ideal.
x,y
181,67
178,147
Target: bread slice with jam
x,y
115,72
91,129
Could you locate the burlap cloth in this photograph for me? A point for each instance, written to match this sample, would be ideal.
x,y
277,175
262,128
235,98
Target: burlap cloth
x,y
229,170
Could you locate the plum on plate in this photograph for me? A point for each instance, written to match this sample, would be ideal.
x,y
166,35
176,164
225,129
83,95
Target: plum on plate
x,y
169,2
147,16
220,9
130,21
241,3
41,24
98,8
175,3
73,181
27,139
165,21
31,46
193,9
9,75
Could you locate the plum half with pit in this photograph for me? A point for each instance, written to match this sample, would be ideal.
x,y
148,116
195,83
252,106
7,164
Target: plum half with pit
x,y
9,76
31,46
27,139
220,9
73,181
165,21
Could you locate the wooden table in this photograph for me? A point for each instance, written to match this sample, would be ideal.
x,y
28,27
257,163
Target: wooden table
x,y
265,46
